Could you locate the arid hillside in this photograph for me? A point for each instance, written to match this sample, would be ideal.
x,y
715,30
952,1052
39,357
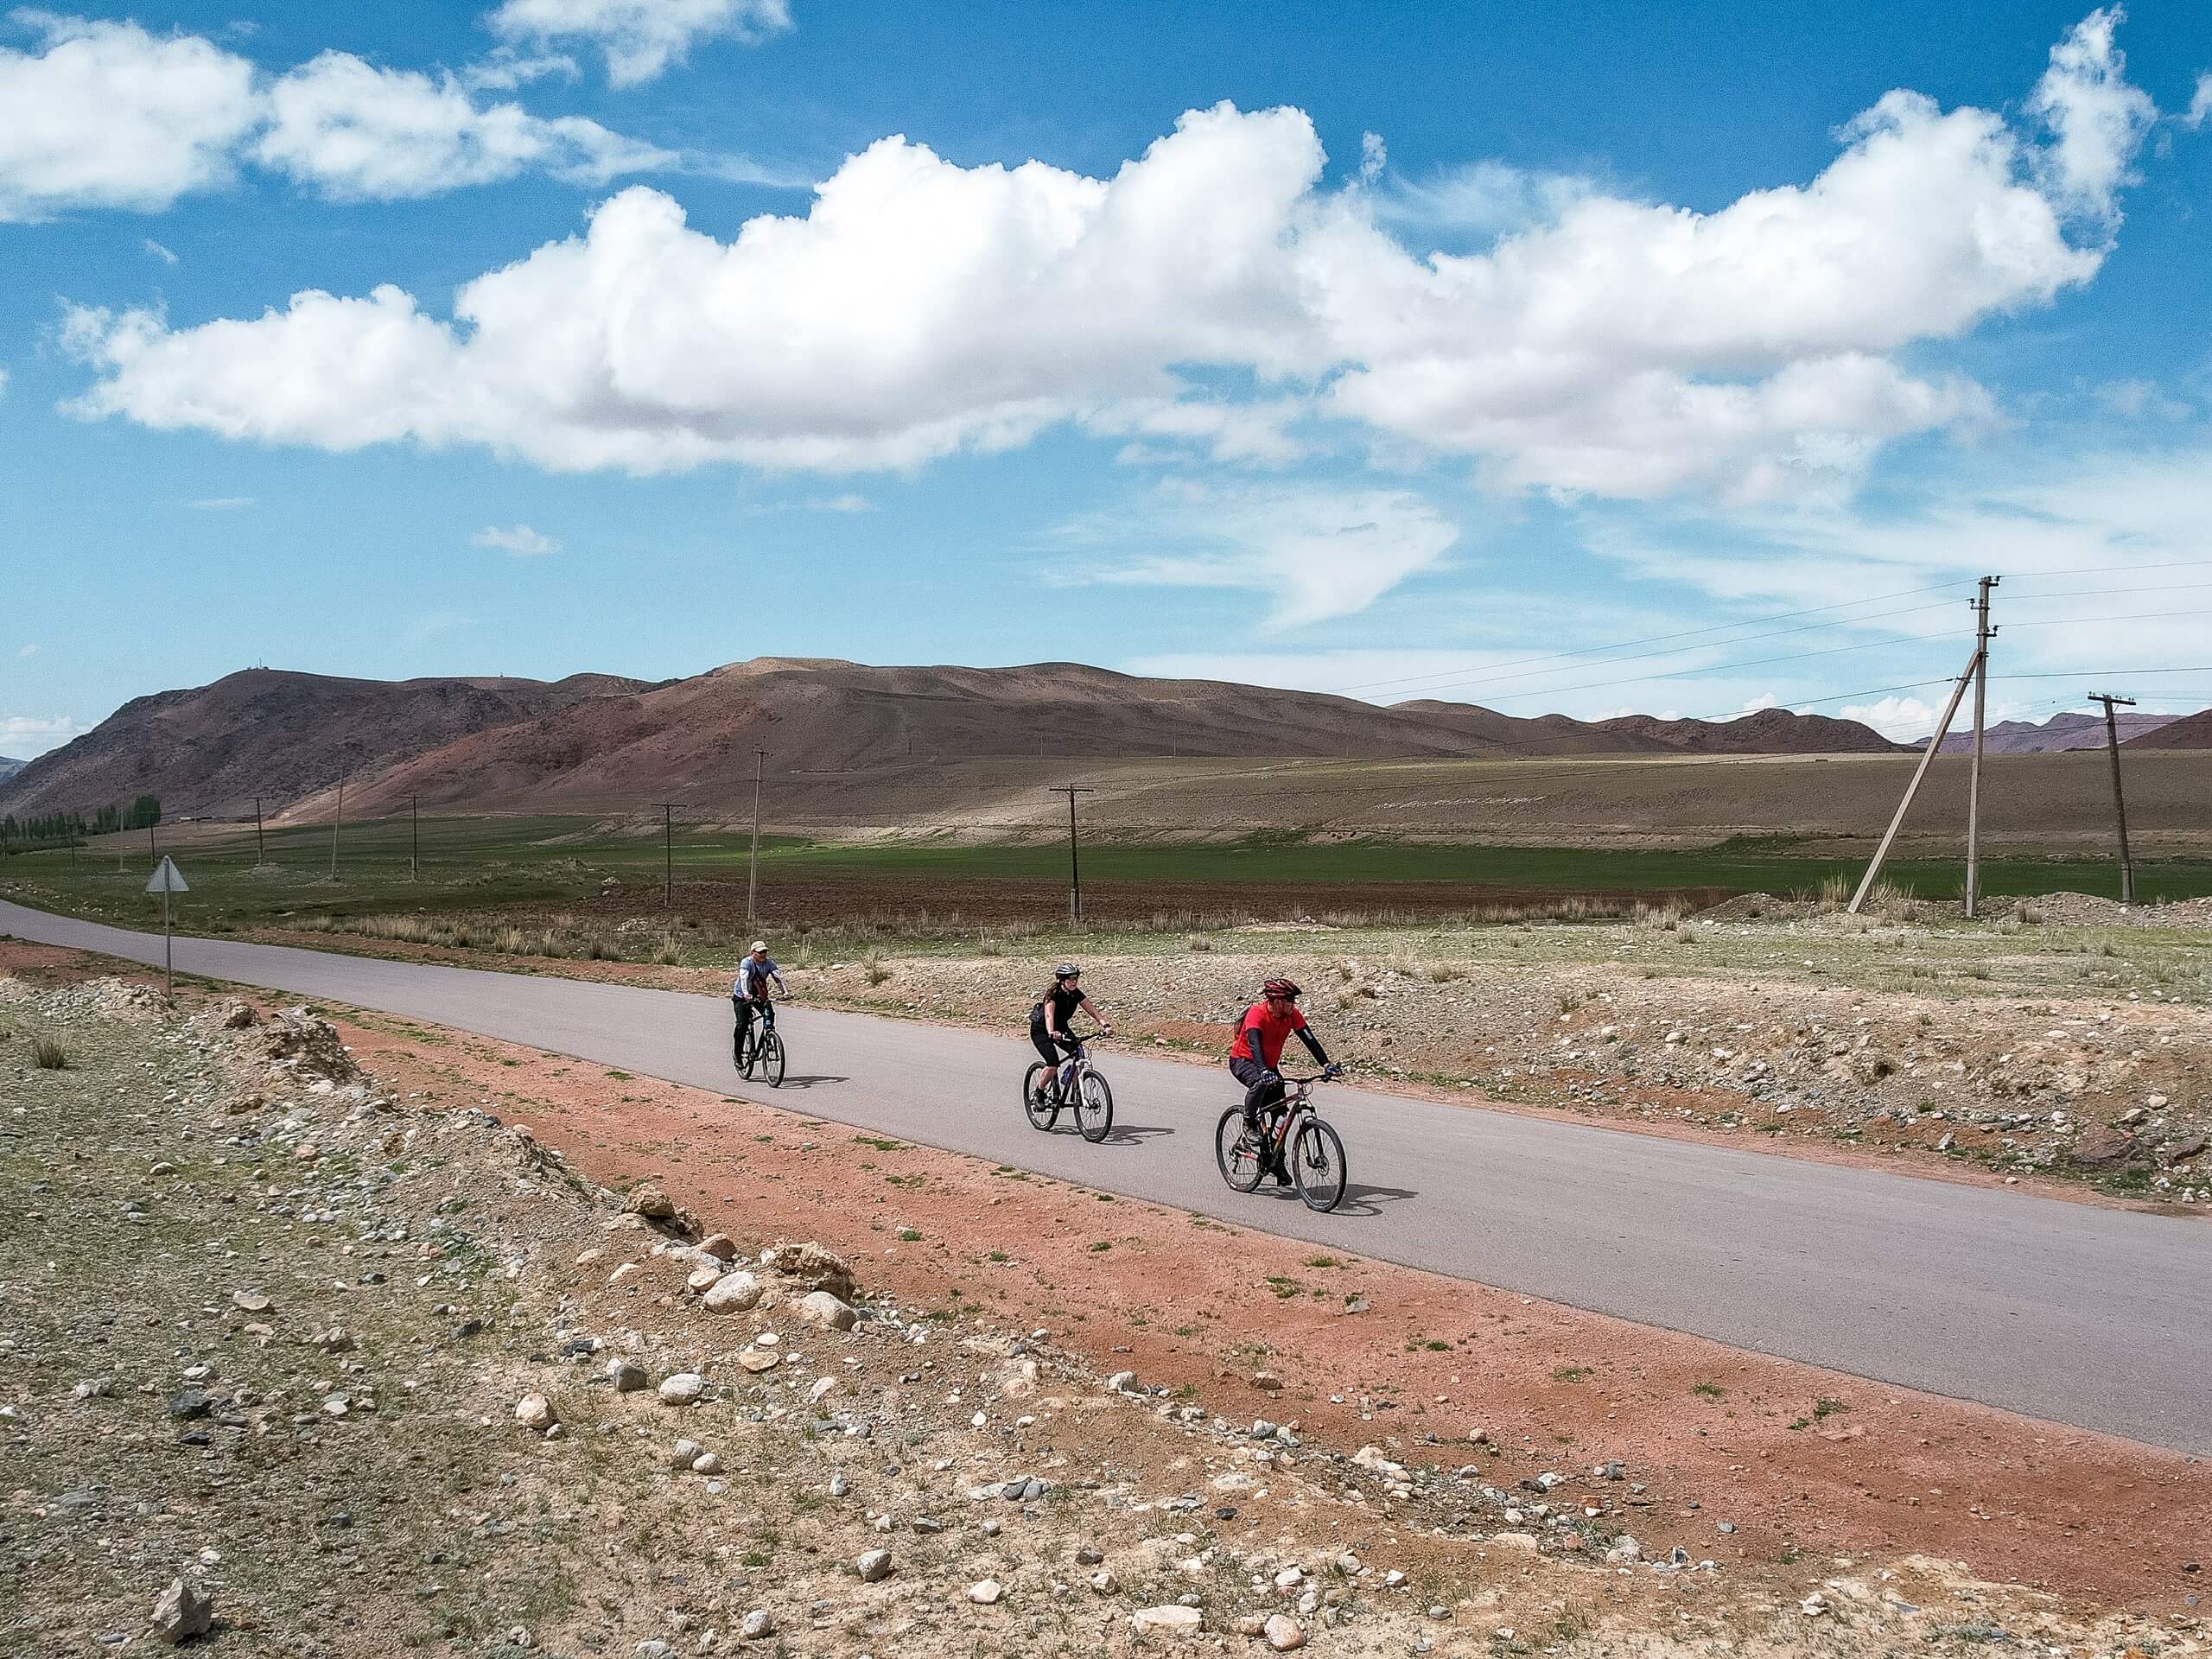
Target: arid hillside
x,y
2072,730
2194,732
876,743
271,732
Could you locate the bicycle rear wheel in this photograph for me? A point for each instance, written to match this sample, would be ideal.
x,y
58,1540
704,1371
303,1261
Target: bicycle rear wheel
x,y
769,1059
1237,1151
1317,1166
1043,1114
1094,1106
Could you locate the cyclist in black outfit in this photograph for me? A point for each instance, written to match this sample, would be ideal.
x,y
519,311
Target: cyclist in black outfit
x,y
1048,1023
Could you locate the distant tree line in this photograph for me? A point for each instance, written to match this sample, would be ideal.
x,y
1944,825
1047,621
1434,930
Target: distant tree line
x,y
63,828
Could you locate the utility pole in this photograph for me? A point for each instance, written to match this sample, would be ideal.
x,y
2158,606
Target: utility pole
x,y
415,831
1974,667
334,824
260,846
1075,866
1981,633
2119,804
668,851
752,872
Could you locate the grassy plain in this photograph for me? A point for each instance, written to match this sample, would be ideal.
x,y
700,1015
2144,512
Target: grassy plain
x,y
540,866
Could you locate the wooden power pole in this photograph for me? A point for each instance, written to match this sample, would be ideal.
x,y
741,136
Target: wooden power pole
x,y
334,824
753,868
415,835
1981,633
260,846
1975,665
2118,803
1075,866
668,851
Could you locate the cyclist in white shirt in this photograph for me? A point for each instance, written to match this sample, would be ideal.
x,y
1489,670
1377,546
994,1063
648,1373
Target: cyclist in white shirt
x,y
749,994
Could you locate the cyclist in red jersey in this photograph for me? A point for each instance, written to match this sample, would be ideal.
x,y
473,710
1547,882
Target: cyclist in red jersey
x,y
1256,1056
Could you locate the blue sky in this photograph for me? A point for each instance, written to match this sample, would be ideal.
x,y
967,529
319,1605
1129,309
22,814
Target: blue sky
x,y
1432,353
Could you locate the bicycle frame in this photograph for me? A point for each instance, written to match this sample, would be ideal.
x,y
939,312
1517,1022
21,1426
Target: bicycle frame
x,y
1288,1110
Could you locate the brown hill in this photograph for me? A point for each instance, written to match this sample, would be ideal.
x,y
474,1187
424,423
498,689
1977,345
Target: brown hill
x,y
1770,731
826,721
2190,731
2057,734
209,751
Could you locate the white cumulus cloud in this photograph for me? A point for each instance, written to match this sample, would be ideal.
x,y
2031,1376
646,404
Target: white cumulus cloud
x,y
25,737
354,130
640,37
2200,106
1899,718
2099,120
522,541
109,116
106,115
1612,347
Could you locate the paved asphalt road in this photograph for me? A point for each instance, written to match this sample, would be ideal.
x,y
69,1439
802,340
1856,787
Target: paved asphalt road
x,y
2098,1318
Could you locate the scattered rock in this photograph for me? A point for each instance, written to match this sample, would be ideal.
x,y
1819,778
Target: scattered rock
x,y
757,1360
819,1307
758,1625
2105,1148
874,1566
649,1201
1166,1621
732,1292
721,1246
182,1613
985,1592
534,1411
683,1389
250,1301
1121,1383
1284,1633
627,1375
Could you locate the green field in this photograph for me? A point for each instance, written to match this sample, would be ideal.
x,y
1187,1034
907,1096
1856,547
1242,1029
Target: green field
x,y
490,865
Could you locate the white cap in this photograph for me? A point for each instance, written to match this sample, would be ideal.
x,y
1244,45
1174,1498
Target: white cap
x,y
759,944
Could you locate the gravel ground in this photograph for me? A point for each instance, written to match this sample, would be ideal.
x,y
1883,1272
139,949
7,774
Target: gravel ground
x,y
328,1368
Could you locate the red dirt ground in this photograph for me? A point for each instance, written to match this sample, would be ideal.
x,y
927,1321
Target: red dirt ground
x,y
1714,1434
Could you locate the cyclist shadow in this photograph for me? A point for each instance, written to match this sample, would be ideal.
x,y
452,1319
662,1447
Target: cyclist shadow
x,y
1133,1134
809,1081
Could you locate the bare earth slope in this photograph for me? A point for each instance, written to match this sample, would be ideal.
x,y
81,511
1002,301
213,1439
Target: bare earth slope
x,y
2060,732
826,718
2193,733
277,734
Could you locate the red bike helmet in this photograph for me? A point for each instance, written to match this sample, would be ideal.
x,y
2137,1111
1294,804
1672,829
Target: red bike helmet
x,y
1281,987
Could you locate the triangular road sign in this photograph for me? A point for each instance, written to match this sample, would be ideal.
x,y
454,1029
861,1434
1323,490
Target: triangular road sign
x,y
166,878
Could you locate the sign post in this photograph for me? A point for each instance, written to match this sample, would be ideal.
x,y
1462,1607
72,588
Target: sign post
x,y
167,880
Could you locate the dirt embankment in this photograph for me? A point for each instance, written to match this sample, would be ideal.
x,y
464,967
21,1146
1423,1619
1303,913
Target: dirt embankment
x,y
374,1397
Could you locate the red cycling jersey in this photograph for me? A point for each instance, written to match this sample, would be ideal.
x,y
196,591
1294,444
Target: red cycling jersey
x,y
1273,1031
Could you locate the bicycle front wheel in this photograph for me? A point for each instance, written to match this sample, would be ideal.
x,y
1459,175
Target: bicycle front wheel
x,y
1317,1166
769,1059
1094,1107
1043,1114
1237,1150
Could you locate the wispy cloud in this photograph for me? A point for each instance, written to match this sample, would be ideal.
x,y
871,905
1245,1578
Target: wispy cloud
x,y
25,737
222,503
848,502
521,541
29,651
1316,553
156,250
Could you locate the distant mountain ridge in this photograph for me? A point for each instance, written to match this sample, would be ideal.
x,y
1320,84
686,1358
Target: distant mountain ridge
x,y
9,768
594,742
278,734
2060,732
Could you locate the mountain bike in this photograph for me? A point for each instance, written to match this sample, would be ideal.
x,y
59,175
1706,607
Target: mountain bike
x,y
763,1057
1290,1131
1079,1085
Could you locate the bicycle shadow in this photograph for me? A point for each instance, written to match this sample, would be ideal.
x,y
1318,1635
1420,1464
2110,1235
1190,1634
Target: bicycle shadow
x,y
811,1079
1361,1199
